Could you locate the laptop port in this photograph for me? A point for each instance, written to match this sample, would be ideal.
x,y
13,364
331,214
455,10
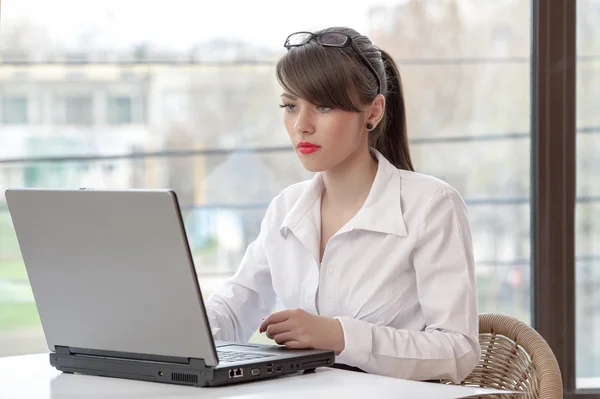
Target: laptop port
x,y
236,373
278,369
255,372
269,368
313,364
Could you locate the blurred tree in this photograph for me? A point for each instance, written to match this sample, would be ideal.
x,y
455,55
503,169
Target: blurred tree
x,y
22,37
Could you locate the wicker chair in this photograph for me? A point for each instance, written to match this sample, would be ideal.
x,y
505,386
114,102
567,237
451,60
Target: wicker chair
x,y
515,357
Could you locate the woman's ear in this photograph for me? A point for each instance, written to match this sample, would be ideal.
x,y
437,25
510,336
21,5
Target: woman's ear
x,y
375,112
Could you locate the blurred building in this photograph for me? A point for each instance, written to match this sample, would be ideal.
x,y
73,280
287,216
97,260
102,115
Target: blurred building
x,y
65,108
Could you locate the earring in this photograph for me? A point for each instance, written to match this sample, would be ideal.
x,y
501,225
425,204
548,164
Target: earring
x,y
369,126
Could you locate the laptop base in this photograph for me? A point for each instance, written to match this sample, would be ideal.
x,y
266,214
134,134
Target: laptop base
x,y
192,372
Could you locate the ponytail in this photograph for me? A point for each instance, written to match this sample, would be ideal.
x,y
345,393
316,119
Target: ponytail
x,y
390,137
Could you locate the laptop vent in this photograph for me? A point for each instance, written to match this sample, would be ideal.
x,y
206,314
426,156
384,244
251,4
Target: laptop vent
x,y
185,378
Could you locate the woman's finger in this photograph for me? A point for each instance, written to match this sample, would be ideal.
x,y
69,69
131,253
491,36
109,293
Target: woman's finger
x,y
284,337
278,328
296,345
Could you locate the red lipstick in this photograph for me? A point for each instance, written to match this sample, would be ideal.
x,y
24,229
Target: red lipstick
x,y
305,147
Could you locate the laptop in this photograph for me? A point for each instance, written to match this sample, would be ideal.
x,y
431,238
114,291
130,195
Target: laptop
x,y
117,293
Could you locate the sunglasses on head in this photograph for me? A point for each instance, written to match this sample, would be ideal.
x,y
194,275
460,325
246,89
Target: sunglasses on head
x,y
330,39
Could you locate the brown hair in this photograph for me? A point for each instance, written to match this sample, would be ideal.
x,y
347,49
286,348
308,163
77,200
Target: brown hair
x,y
339,78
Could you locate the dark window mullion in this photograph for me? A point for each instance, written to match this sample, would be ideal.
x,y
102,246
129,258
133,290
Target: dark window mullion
x,y
553,178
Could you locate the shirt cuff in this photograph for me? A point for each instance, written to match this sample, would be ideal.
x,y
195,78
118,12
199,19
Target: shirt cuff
x,y
358,342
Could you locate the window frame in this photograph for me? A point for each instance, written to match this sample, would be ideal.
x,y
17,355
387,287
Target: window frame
x,y
553,187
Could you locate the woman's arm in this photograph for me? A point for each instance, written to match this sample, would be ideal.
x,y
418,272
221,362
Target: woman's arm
x,y
236,310
448,347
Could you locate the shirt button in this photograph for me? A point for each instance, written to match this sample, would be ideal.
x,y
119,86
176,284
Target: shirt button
x,y
359,231
330,272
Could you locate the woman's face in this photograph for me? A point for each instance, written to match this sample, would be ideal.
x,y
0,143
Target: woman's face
x,y
323,137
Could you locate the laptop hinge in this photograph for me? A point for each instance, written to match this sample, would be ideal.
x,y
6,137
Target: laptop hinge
x,y
68,350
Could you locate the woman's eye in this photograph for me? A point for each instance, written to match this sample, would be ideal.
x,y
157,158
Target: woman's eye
x,y
287,107
323,108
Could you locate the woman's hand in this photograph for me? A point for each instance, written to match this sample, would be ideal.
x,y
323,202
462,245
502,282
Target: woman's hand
x,y
297,329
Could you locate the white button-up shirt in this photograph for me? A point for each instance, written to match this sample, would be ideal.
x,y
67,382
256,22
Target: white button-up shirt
x,y
399,276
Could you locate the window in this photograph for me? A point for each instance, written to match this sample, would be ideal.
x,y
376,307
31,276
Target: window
x,y
14,110
78,111
587,272
74,110
119,110
467,102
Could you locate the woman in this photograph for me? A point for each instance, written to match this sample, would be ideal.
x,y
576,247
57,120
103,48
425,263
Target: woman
x,y
368,259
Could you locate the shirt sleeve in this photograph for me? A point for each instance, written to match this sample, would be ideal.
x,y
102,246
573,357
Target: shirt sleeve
x,y
236,311
448,346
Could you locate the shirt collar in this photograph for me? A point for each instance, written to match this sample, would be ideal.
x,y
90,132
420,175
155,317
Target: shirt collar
x,y
381,212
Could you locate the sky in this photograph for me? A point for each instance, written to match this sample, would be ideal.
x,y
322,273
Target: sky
x,y
178,24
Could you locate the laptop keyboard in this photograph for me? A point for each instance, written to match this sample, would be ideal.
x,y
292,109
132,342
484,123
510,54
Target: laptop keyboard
x,y
231,356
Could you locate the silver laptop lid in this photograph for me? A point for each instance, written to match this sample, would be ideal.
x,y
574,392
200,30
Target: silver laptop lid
x,y
111,270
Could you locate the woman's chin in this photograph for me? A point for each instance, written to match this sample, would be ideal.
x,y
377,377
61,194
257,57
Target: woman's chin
x,y
313,165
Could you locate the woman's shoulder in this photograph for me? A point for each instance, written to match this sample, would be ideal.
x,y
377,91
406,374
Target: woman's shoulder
x,y
423,195
419,187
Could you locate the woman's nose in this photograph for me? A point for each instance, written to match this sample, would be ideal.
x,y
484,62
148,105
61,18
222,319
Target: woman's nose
x,y
304,123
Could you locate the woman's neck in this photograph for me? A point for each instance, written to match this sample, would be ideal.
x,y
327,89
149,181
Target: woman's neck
x,y
349,183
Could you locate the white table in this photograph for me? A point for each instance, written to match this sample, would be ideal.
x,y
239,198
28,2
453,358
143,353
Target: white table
x,y
32,377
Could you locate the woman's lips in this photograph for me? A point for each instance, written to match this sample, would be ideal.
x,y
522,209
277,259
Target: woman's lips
x,y
307,148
